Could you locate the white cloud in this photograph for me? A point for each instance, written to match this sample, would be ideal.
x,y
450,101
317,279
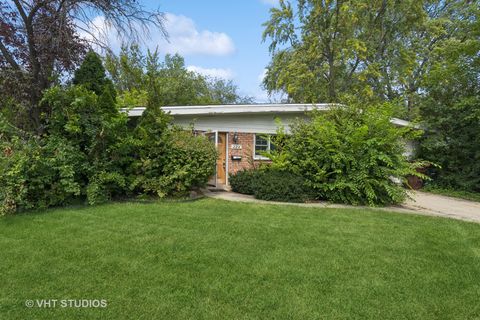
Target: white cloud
x,y
270,2
262,96
184,37
226,74
262,76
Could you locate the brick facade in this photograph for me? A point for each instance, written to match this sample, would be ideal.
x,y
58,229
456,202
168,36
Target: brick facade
x,y
246,140
247,143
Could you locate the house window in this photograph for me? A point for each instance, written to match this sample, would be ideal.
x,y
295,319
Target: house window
x,y
262,144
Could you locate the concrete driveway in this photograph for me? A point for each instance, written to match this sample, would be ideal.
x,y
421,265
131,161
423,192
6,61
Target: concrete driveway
x,y
421,203
437,205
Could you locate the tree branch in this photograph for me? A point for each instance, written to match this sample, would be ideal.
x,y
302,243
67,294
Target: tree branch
x,y
27,20
6,54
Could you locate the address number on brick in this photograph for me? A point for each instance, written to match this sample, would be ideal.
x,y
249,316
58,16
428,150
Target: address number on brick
x,y
236,146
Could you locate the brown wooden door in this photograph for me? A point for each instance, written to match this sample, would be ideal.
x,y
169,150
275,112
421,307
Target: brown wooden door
x,y
221,161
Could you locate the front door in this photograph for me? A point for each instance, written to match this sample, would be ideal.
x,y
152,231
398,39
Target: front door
x,y
220,140
222,159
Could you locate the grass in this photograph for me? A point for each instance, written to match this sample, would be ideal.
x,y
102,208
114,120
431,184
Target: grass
x,y
212,259
466,195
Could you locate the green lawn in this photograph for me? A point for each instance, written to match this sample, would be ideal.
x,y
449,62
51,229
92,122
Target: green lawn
x,y
212,259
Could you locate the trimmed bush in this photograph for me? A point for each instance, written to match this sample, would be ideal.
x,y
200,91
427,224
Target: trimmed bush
x,y
275,185
271,184
245,181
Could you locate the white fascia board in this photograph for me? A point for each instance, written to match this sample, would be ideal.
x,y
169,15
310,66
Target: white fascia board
x,y
405,123
134,112
243,109
234,109
249,109
400,122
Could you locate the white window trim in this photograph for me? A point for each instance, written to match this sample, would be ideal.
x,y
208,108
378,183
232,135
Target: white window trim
x,y
258,157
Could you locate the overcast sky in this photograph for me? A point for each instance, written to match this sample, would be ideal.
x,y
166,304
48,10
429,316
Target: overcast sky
x,y
216,37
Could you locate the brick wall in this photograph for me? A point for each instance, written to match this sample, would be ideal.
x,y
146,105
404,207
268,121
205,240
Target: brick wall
x,y
246,140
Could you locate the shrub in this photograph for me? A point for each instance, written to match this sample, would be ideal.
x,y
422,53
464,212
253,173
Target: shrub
x,y
105,185
37,173
84,150
99,130
87,150
244,181
450,109
170,161
271,184
349,155
91,74
275,185
189,163
453,142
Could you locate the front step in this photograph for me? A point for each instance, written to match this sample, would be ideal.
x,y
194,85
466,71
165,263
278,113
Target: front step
x,y
219,187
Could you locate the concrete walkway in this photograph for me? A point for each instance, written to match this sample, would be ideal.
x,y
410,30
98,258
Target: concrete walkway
x,y
444,206
421,203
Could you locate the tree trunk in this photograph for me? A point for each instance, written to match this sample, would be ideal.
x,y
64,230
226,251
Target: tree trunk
x,y
410,100
331,79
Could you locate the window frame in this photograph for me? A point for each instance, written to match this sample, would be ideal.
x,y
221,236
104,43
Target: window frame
x,y
260,157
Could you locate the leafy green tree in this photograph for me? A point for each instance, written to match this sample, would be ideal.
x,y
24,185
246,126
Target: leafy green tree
x,y
178,86
107,100
99,135
225,92
451,112
137,76
127,70
40,43
91,73
324,50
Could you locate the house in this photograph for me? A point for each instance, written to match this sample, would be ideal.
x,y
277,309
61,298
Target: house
x,y
240,132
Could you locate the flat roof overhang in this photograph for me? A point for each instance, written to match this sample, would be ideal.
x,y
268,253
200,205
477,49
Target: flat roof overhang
x,y
236,109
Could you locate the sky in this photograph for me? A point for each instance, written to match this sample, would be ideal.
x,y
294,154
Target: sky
x,y
217,38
